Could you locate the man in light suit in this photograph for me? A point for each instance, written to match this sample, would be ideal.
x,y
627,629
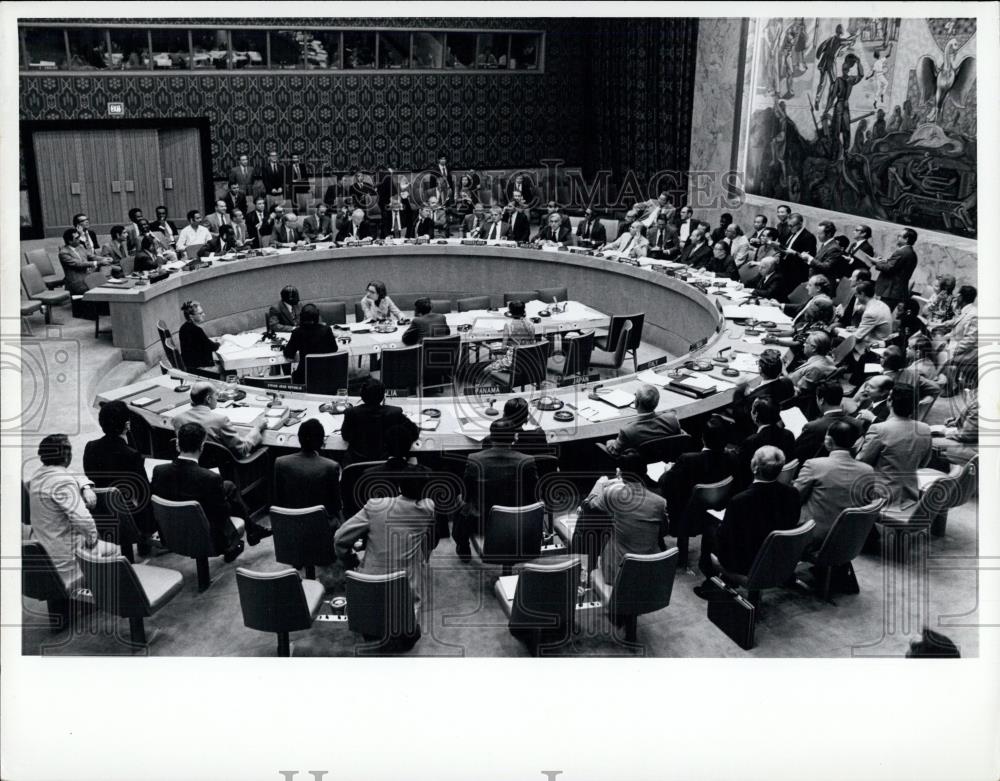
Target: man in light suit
x,y
77,263
833,483
632,243
243,174
425,323
648,212
218,218
496,228
202,410
894,272
875,326
648,426
591,231
898,447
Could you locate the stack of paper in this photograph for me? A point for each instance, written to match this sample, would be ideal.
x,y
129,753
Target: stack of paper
x,y
794,420
699,381
244,416
650,377
745,362
757,312
655,470
615,397
596,413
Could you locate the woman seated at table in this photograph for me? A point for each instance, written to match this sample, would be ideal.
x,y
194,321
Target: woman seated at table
x,y
517,331
376,305
466,197
197,349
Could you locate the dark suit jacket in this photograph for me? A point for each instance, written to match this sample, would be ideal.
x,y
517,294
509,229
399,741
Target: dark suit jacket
x,y
645,428
497,476
696,257
422,227
519,229
257,228
318,226
527,191
432,324
309,339
781,438
146,261
670,247
216,245
364,430
245,181
831,262
894,277
486,232
239,202
750,516
771,287
689,470
364,231
274,179
810,441
286,234
792,268
306,480
598,233
561,234
280,319
196,347
112,463
291,178
726,267
182,480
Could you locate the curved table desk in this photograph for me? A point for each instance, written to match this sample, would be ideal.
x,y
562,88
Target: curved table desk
x,y
677,315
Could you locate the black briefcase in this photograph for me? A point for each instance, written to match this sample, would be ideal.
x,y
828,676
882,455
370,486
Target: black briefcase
x,y
733,615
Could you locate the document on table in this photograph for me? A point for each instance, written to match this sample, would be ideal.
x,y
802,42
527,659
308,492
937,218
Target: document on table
x,y
650,377
235,342
477,431
597,413
773,314
615,397
359,328
244,416
699,381
794,420
745,362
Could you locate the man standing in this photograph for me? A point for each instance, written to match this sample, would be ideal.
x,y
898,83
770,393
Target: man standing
x,y
218,218
893,283
243,174
273,176
782,226
800,240
235,198
259,224
829,259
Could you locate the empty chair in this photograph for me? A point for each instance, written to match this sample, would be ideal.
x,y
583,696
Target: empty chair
x,y
938,494
279,602
381,609
577,350
326,373
643,585
35,290
609,342
28,308
359,313
132,591
520,295
666,449
704,497
184,530
353,493
170,349
332,312
527,367
39,580
599,359
112,507
512,535
842,350
53,274
402,369
546,294
473,303
540,602
775,562
441,356
844,542
250,474
441,306
302,538
788,472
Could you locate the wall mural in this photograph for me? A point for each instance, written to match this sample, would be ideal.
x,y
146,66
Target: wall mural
x,y
870,116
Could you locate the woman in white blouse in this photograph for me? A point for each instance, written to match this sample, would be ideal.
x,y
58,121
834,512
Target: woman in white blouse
x,y
376,305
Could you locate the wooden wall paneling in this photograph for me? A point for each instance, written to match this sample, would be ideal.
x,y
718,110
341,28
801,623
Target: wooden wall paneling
x,y
140,165
57,167
99,167
180,161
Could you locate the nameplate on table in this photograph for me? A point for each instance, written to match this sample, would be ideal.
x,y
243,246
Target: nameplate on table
x,y
273,385
579,379
655,362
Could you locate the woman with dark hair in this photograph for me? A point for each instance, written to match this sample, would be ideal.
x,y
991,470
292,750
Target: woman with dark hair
x,y
908,322
197,349
376,305
517,331
467,196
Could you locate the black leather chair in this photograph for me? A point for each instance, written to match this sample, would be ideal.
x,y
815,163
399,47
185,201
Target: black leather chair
x,y
251,474
381,609
402,369
843,543
520,295
114,514
279,602
303,538
353,496
527,367
512,535
473,303
184,530
599,359
540,602
609,341
576,356
643,584
359,313
441,306
546,294
326,373
441,358
39,580
331,312
169,348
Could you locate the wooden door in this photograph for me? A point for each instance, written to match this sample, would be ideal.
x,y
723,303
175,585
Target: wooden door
x,y
101,171
58,159
139,164
180,169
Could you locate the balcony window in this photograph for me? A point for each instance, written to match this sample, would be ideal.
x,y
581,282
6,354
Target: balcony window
x,y
249,49
171,49
359,50
211,49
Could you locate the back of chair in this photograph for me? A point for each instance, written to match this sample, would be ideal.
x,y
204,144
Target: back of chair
x,y
326,373
441,355
402,368
776,560
169,348
332,312
666,448
40,259
39,579
380,606
847,536
799,294
644,583
475,302
272,601
111,504
216,456
528,366
513,533
302,537
788,472
621,343
191,250
844,292
842,350
520,295
127,264
546,464
183,527
94,279
441,306
635,325
545,596
952,491
713,495
115,586
359,313
748,273
352,493
31,279
546,294
577,351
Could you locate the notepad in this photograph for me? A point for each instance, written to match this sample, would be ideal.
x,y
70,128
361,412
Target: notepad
x,y
873,368
360,328
145,401
652,378
614,397
699,381
655,470
745,362
794,420
244,416
508,585
597,413
756,312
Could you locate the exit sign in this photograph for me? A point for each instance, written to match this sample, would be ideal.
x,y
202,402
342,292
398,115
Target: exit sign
x,y
116,109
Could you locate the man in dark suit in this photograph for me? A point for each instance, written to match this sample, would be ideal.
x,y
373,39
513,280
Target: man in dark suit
x,y
286,315
757,236
849,314
496,227
183,479
530,441
709,465
520,185
766,416
243,174
423,225
781,226
648,426
110,462
686,224
425,323
273,176
286,230
829,259
296,174
873,400
318,226
220,244
894,272
773,385
697,251
590,232
792,267
555,231
310,338
498,475
518,227
829,398
770,284
365,425
235,198
88,239
307,479
861,243
663,242
259,224
765,506
441,180
357,228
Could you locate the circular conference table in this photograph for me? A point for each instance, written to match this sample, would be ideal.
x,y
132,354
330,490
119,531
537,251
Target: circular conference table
x,y
680,320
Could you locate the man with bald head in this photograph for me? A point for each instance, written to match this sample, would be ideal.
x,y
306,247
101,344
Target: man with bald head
x,y
287,233
649,426
357,229
765,506
217,424
770,284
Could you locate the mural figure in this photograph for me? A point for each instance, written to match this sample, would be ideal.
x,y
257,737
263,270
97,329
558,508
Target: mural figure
x,y
879,73
826,58
946,82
